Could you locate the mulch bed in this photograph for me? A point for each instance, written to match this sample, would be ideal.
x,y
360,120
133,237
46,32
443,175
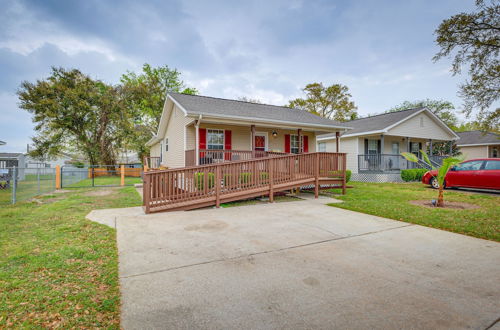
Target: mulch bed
x,y
447,205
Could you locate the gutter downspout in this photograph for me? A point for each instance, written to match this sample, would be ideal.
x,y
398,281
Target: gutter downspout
x,y
197,141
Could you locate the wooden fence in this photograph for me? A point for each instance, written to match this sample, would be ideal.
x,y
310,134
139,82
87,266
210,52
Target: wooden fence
x,y
200,186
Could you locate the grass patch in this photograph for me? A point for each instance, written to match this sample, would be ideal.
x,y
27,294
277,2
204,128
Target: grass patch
x,y
391,200
254,201
56,267
104,181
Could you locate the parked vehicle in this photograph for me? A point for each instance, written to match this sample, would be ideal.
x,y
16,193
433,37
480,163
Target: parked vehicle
x,y
475,173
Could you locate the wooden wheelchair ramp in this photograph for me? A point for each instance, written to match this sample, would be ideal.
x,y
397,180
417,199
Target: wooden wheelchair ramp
x,y
201,186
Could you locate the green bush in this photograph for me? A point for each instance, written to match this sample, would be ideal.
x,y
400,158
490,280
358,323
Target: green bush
x,y
245,177
199,180
414,174
333,174
264,177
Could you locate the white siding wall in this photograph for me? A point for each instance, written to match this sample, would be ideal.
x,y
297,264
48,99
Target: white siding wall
x,y
349,146
430,130
474,152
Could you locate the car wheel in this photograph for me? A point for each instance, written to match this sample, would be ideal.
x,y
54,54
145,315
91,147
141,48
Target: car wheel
x,y
434,183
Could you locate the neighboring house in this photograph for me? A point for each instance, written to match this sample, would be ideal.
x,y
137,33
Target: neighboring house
x,y
9,160
477,144
61,159
375,143
12,159
197,130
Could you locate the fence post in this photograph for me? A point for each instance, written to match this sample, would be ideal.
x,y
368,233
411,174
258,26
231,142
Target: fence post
x,y
271,180
122,168
92,172
316,174
14,185
58,176
38,179
217,185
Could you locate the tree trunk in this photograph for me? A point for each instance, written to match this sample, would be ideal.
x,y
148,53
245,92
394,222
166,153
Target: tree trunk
x,y
440,202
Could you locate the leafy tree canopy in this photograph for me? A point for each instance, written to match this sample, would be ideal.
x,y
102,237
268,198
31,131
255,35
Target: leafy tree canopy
x,y
71,110
146,92
473,40
333,102
145,97
249,99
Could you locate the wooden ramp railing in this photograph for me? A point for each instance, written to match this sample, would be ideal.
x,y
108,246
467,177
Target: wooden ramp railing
x,y
200,186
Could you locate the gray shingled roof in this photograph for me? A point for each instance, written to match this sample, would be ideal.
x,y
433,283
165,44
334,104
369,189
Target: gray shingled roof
x,y
477,137
376,123
9,154
205,105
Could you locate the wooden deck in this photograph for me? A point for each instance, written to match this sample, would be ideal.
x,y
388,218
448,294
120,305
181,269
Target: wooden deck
x,y
200,186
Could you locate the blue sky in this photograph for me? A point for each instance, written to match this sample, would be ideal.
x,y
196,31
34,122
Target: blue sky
x,y
382,50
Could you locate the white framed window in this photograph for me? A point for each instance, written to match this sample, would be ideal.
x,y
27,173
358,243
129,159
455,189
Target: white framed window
x,y
321,146
372,147
166,144
3,163
215,139
294,144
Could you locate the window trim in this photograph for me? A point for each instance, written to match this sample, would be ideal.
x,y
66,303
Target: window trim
x,y
223,137
321,144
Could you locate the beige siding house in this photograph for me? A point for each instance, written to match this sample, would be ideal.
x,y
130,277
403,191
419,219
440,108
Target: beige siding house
x,y
197,130
477,144
374,145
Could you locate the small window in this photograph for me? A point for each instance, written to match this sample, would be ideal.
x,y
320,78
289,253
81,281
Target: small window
x,y
215,139
372,147
421,121
3,164
321,146
494,152
492,165
294,144
166,144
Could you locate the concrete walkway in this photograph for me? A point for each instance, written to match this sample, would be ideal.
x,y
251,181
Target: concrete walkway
x,y
299,265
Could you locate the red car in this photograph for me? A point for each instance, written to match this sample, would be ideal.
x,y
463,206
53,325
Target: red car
x,y
481,173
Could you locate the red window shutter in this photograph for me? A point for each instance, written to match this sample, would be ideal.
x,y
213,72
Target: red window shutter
x,y
287,143
227,140
203,138
227,144
306,143
203,141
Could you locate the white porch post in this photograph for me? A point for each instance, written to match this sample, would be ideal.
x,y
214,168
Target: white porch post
x,y
430,147
301,145
197,144
408,144
381,144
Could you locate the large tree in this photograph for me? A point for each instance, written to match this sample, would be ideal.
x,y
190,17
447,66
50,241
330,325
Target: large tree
x,y
145,96
333,102
73,111
473,40
445,110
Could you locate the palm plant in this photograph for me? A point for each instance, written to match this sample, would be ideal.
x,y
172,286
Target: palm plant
x,y
441,171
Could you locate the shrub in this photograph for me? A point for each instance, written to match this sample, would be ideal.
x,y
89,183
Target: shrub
x,y
199,180
245,177
414,174
264,177
333,174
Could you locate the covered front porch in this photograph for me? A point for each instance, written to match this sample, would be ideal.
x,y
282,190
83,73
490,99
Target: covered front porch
x,y
382,153
210,143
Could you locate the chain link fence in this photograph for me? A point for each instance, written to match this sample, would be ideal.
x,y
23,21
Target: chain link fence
x,y
99,176
19,184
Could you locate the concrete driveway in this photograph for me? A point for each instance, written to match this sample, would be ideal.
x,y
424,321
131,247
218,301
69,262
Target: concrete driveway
x,y
299,265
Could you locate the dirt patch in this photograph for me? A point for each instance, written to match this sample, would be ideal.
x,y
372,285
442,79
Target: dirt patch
x,y
100,192
447,205
60,191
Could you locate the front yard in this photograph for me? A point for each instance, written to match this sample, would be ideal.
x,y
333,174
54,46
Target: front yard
x,y
392,200
58,269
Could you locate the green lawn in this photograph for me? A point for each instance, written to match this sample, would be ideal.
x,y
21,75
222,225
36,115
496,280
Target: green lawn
x,y
56,267
104,181
391,200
